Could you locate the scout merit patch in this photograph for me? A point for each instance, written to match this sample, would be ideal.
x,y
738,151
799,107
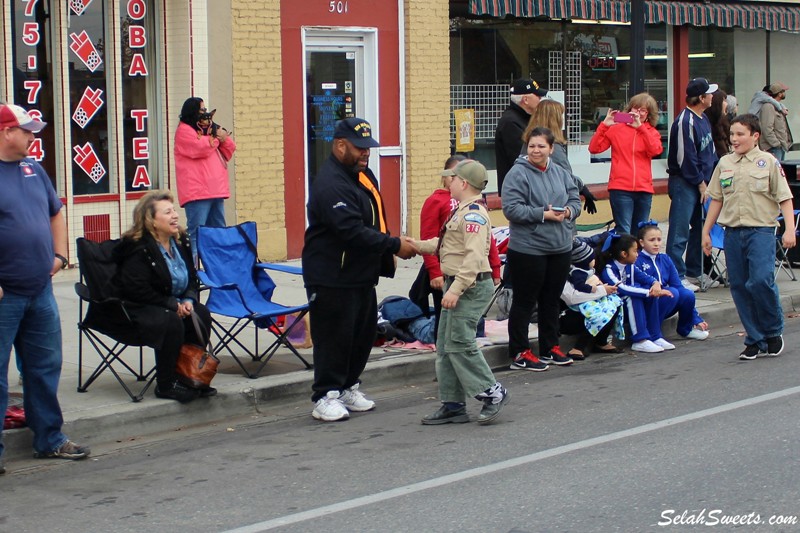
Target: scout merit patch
x,y
474,221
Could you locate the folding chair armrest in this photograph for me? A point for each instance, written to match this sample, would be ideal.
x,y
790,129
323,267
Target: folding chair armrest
x,y
289,269
83,292
205,280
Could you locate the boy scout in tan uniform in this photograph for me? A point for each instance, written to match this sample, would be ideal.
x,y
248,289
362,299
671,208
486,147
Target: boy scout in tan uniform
x,y
748,190
463,248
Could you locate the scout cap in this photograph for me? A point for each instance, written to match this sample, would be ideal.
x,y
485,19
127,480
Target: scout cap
x,y
357,131
700,86
13,116
473,173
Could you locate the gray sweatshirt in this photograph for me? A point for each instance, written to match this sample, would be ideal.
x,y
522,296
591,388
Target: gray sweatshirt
x,y
527,192
761,98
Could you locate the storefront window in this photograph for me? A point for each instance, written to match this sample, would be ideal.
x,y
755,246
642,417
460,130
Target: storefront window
x,y
138,61
597,70
711,56
33,75
87,98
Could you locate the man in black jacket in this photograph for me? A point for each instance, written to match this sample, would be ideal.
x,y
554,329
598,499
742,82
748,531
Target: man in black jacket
x,y
347,247
525,96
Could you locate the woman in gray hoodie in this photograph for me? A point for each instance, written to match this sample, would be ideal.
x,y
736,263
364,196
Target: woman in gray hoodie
x,y
539,201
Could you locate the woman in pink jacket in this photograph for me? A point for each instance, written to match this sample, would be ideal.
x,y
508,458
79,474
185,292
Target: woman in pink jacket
x,y
202,152
634,142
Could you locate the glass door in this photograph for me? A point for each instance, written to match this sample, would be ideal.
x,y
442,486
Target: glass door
x,y
332,93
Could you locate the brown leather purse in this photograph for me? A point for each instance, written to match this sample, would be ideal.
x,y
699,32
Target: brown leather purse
x,y
197,365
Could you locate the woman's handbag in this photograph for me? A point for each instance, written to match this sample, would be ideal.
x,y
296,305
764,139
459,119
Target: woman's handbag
x,y
197,366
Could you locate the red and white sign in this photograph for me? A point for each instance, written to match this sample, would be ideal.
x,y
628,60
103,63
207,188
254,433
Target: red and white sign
x,y
79,6
87,159
90,104
84,48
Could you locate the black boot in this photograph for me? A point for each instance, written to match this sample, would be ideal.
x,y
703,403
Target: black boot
x,y
175,390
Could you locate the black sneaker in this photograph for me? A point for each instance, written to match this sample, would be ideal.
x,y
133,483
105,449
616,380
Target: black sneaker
x,y
750,352
556,356
2,467
207,392
446,416
491,410
176,391
527,361
68,450
775,346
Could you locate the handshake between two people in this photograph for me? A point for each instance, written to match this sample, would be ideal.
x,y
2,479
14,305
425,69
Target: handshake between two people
x,y
408,248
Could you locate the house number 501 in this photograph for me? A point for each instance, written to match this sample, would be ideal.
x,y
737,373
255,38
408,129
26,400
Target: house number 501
x,y
337,6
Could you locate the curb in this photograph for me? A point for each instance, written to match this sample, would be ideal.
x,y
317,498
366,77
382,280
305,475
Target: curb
x,y
129,421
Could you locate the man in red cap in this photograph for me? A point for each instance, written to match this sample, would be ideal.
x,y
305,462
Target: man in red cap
x,y
33,247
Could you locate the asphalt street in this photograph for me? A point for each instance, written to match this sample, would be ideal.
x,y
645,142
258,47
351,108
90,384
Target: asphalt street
x,y
623,443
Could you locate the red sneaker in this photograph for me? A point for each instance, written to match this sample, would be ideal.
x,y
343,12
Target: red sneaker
x,y
527,361
557,357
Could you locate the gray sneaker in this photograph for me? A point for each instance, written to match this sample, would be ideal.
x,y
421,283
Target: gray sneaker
x,y
446,416
68,450
491,410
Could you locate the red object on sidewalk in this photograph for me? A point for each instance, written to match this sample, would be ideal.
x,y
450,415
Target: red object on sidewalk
x,y
15,418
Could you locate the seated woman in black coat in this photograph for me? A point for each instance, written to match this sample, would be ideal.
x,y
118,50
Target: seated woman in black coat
x,y
156,273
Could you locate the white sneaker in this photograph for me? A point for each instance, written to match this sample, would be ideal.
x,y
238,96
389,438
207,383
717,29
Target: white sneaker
x,y
354,400
705,281
689,285
664,343
330,408
646,346
697,334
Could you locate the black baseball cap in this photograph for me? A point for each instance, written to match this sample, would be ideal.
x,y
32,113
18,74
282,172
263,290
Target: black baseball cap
x,y
526,86
700,86
357,131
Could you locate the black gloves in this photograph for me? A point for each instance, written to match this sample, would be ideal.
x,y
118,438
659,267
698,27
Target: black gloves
x,y
589,205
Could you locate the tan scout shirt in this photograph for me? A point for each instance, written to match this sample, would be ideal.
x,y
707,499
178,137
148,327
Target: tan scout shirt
x,y
750,187
465,246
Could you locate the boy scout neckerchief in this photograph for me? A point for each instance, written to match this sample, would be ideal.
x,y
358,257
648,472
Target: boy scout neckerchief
x,y
443,230
366,182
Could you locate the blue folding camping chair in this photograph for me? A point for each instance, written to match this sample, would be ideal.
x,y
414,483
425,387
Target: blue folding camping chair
x,y
241,288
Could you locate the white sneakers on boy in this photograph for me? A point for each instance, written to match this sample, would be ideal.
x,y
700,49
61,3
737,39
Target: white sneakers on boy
x,y
697,335
689,285
330,408
664,343
354,400
646,346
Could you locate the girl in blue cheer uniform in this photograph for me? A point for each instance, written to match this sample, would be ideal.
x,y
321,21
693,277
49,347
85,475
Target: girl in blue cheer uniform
x,y
659,265
638,290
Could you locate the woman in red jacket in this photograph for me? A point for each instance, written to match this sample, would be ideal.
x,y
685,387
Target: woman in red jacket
x,y
202,151
634,142
435,212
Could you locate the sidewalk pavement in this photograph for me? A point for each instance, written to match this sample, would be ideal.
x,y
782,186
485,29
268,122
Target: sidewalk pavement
x,y
105,414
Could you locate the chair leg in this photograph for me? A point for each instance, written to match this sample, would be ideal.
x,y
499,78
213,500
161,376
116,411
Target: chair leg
x,y
111,355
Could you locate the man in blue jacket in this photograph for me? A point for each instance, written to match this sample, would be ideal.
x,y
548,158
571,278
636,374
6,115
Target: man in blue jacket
x,y
347,247
690,162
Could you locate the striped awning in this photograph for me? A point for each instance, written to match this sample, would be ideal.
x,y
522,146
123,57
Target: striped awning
x,y
749,15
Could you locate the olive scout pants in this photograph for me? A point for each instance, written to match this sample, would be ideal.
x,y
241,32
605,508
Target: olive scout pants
x,y
460,367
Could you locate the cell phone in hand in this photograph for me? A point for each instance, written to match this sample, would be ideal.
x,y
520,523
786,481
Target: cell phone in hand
x,y
558,209
623,118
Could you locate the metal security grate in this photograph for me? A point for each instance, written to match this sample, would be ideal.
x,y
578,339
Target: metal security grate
x,y
572,90
488,101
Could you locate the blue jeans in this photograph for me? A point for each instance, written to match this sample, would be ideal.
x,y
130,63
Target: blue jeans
x,y
779,153
32,325
751,273
685,227
203,213
629,208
